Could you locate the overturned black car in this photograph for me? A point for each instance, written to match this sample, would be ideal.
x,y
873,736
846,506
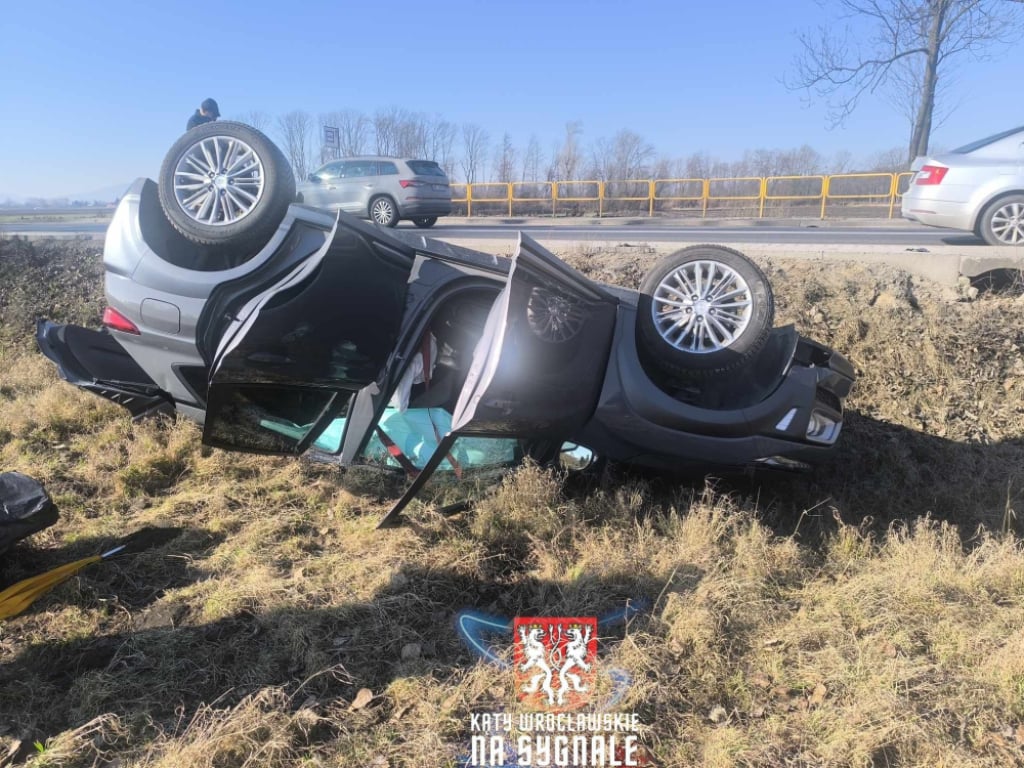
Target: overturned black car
x,y
284,329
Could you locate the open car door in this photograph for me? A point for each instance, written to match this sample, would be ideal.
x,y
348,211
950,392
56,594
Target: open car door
x,y
539,366
292,355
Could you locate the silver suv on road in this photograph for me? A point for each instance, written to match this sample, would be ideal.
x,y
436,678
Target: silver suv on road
x,y
384,189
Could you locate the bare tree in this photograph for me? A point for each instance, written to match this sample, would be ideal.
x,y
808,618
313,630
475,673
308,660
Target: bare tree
x,y
505,160
474,150
841,162
440,143
258,119
353,130
928,34
905,85
532,158
569,157
386,128
886,161
296,129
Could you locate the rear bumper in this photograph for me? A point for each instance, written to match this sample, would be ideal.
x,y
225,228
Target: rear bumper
x,y
426,208
95,362
937,213
639,423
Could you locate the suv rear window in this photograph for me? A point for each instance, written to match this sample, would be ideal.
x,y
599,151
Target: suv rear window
x,y
426,168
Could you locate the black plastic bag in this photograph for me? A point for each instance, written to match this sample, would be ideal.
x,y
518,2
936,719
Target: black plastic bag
x,y
25,508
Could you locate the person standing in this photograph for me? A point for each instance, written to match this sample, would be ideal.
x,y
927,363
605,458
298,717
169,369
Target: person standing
x,y
208,112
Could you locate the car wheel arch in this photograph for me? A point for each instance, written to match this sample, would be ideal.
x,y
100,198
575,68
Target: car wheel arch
x,y
982,210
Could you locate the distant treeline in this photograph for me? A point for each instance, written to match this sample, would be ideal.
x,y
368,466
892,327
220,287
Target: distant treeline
x,y
470,153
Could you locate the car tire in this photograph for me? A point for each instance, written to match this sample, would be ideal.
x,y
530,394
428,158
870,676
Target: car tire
x,y
383,211
704,311
1002,222
425,222
246,191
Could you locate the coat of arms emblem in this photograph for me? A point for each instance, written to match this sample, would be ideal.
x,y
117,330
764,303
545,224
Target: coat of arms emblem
x,y
555,661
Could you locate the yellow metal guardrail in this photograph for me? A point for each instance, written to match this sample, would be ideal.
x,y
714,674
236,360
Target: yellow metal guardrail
x,y
756,195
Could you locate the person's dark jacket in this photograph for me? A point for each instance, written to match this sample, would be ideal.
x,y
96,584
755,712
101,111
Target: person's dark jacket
x,y
197,119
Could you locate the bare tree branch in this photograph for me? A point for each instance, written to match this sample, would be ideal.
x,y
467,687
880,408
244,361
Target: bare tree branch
x,y
474,150
296,129
905,49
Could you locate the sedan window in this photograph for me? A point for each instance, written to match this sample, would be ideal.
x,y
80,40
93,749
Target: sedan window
x,y
974,146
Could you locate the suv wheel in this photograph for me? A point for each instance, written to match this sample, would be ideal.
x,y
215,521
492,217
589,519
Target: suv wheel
x,y
384,211
226,184
425,222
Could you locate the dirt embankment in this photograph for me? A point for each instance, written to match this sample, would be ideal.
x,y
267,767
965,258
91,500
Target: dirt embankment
x,y
54,279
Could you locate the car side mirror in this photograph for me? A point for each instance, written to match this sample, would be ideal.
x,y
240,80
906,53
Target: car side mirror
x,y
314,178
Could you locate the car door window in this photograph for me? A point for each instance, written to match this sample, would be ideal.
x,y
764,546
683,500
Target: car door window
x,y
357,169
403,439
385,168
276,419
330,171
292,357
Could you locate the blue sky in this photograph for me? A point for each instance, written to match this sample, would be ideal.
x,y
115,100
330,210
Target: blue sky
x,y
93,93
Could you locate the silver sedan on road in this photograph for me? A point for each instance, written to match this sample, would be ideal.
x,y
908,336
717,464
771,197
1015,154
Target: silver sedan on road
x,y
978,188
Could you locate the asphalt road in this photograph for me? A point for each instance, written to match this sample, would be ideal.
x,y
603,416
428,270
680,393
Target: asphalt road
x,y
901,235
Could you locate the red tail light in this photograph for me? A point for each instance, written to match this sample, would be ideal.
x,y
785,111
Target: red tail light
x,y
931,174
115,320
406,183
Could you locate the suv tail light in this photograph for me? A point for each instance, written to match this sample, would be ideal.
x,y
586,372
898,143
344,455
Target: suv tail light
x,y
114,319
931,174
406,183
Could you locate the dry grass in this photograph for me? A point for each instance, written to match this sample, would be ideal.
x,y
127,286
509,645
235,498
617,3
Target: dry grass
x,y
869,615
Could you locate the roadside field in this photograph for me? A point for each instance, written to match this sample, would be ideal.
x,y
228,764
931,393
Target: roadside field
x,y
869,614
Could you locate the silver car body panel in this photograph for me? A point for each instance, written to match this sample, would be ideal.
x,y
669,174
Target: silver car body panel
x,y
349,184
975,178
137,278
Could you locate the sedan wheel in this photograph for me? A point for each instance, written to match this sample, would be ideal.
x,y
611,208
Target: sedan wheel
x,y
702,307
383,211
1003,222
704,310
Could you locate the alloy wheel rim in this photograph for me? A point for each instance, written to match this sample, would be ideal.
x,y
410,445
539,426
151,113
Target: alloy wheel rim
x,y
382,211
702,307
1008,224
218,181
553,316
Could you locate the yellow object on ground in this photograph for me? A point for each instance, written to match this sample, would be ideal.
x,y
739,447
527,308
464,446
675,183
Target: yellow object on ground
x,y
20,596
